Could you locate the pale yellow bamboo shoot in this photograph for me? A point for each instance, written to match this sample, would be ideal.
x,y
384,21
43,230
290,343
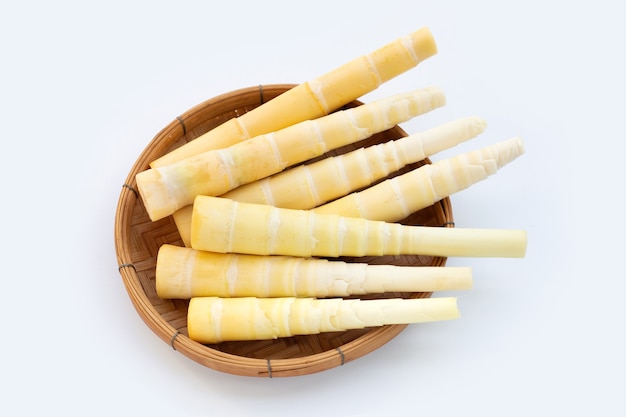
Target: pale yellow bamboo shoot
x,y
214,319
394,199
166,189
227,226
311,185
317,97
186,273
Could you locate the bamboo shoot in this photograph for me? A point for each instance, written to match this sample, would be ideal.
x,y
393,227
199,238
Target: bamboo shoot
x,y
186,273
214,319
166,189
396,198
225,226
317,97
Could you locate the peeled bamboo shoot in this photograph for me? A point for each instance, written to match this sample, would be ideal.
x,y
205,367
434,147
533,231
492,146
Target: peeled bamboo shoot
x,y
166,189
214,319
317,97
186,273
310,185
223,225
396,198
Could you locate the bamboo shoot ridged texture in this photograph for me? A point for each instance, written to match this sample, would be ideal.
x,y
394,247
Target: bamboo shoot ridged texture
x,y
223,225
216,319
185,273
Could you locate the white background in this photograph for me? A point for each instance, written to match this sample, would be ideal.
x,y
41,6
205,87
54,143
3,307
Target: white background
x,y
84,86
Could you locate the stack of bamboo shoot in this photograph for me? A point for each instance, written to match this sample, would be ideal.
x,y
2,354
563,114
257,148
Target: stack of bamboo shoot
x,y
263,227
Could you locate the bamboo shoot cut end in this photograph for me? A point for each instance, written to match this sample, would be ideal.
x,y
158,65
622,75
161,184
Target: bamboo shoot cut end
x,y
423,43
173,268
155,194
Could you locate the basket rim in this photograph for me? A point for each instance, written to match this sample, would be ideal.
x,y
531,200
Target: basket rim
x,y
205,355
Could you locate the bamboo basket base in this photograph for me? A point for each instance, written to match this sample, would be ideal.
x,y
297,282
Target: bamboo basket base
x,y
137,240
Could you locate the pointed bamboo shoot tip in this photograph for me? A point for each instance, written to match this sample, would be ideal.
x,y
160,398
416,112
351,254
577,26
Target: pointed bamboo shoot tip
x,y
477,126
519,145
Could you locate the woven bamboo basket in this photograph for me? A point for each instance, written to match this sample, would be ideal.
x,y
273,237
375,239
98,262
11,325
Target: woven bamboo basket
x,y
137,240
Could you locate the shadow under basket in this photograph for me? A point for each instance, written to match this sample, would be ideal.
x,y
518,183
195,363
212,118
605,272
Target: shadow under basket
x,y
137,241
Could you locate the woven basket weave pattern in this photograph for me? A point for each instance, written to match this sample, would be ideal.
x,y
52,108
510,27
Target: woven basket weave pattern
x,y
138,239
